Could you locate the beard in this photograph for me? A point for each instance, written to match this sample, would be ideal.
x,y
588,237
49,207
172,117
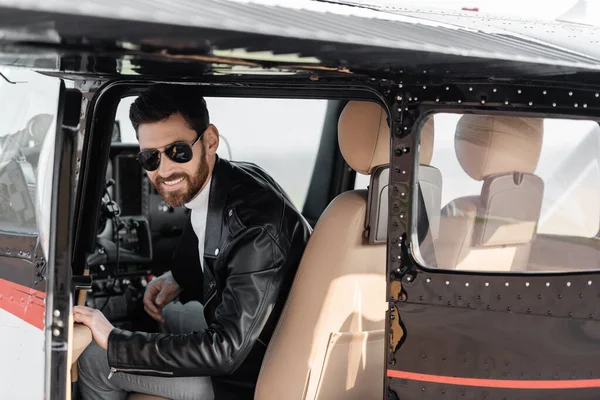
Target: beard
x,y
185,195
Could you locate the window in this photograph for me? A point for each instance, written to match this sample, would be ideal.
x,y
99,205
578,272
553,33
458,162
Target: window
x,y
279,135
506,193
27,131
28,117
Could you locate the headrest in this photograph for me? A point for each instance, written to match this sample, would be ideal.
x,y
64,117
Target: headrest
x,y
364,136
426,150
488,145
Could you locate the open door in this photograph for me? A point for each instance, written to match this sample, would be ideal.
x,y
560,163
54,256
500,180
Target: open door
x,y
36,120
59,293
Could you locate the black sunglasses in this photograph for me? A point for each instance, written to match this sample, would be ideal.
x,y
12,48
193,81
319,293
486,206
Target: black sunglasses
x,y
179,152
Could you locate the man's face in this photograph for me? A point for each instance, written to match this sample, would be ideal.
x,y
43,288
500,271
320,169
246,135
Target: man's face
x,y
177,183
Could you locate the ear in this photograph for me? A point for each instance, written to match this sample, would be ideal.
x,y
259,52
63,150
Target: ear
x,y
210,140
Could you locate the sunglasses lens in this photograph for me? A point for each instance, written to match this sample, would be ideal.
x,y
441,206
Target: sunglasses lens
x,y
149,159
179,152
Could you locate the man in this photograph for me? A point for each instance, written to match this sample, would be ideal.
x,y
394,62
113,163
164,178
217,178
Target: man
x,y
237,257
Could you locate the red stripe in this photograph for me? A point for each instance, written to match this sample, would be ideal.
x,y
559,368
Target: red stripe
x,y
497,383
23,302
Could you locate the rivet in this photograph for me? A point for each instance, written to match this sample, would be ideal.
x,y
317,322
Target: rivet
x,y
584,105
428,280
403,172
506,284
527,284
531,103
569,284
400,86
416,98
216,252
597,94
406,128
553,104
467,284
519,91
506,102
470,89
570,93
547,284
459,101
494,90
544,92
482,101
424,71
424,87
56,332
437,100
56,313
408,278
410,99
399,98
448,88
589,283
487,284
576,105
447,282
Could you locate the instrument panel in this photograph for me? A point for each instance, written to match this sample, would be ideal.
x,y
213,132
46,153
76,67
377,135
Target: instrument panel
x,y
135,240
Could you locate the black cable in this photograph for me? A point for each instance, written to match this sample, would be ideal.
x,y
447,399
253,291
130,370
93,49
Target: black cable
x,y
115,212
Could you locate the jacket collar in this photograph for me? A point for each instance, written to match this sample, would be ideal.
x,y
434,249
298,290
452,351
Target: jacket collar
x,y
219,189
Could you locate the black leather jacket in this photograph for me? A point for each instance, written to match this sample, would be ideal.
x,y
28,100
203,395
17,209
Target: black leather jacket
x,y
255,238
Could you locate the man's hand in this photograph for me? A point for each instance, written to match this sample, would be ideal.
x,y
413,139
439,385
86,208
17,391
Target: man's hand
x,y
160,292
96,321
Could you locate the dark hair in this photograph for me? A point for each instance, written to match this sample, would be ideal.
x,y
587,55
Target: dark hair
x,y
161,101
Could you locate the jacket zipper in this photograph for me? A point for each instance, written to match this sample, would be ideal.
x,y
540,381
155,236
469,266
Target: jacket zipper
x,y
113,370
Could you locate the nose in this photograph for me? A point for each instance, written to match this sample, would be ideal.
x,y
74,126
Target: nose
x,y
166,166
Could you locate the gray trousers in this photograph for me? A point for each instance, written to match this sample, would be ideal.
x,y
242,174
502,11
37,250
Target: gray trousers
x,y
94,370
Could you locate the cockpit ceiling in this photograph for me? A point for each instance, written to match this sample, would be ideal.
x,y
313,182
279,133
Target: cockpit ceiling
x,y
147,37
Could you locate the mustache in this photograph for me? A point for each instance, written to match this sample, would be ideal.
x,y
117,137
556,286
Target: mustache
x,y
172,177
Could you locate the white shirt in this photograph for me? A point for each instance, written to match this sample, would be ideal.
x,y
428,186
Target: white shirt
x,y
199,207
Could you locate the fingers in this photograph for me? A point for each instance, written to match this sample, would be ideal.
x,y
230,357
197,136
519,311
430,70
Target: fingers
x,y
149,297
160,298
154,314
82,316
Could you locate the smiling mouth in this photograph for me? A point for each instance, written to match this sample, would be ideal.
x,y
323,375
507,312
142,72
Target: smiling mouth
x,y
172,182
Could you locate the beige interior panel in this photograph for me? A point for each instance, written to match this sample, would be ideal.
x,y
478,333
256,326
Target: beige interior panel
x,y
353,367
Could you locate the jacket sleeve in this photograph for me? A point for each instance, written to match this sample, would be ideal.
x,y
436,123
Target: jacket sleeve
x,y
251,289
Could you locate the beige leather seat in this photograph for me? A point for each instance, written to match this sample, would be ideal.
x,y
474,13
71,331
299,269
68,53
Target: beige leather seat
x,y
329,343
494,231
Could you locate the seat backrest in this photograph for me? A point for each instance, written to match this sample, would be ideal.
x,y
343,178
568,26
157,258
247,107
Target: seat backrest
x,y
329,342
494,231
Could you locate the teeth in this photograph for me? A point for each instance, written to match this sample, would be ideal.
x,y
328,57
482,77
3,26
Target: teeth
x,y
176,181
